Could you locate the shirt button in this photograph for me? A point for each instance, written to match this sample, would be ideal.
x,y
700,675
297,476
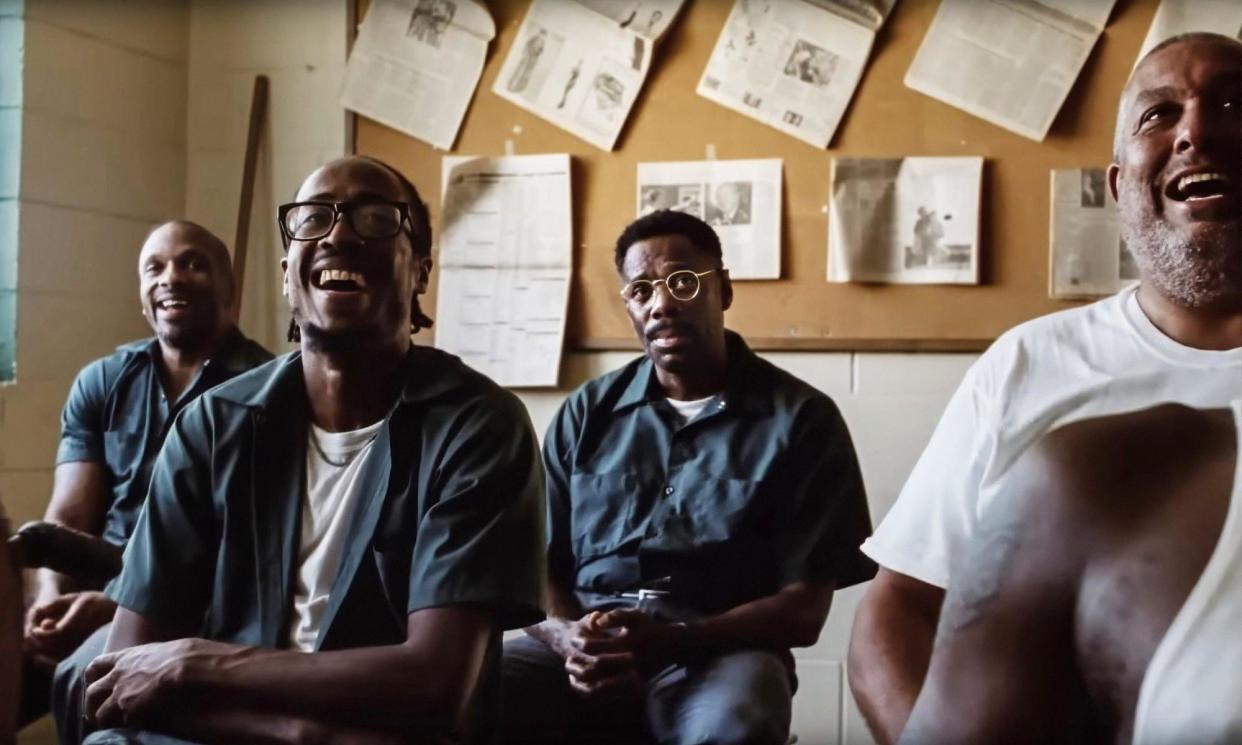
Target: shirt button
x,y
668,490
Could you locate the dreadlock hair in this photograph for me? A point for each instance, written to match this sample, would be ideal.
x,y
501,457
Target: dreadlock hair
x,y
420,242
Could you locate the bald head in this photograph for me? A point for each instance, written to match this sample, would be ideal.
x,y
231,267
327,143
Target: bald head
x,y
186,284
1154,57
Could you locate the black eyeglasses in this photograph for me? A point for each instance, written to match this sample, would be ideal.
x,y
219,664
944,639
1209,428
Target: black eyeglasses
x,y
683,285
310,221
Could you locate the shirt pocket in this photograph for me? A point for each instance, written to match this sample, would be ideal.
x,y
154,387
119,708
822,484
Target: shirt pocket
x,y
714,512
601,518
122,453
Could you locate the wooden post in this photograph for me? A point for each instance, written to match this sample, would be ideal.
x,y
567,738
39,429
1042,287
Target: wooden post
x,y
258,111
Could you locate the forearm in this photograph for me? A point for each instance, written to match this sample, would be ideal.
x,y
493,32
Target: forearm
x,y
368,686
789,618
888,660
890,649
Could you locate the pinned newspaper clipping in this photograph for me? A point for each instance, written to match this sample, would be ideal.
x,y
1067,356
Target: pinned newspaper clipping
x,y
793,64
1010,62
904,220
505,259
580,63
741,199
1175,17
416,63
1087,256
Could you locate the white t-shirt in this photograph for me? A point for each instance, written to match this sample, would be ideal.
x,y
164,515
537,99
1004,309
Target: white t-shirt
x,y
1105,358
688,410
1191,689
334,463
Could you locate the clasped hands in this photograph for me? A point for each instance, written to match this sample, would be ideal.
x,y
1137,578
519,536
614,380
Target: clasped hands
x,y
609,654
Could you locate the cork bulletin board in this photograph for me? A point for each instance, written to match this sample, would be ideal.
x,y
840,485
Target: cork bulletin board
x,y
802,311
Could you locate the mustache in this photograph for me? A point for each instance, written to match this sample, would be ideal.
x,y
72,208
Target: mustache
x,y
663,327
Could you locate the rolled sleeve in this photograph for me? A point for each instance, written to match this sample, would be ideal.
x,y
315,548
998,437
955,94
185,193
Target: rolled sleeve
x,y
827,516
481,540
81,419
168,564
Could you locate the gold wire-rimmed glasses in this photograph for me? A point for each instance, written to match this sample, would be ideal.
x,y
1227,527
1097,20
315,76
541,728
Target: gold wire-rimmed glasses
x,y
683,285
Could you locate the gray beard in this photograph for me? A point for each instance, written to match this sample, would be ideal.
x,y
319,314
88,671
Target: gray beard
x,y
1194,273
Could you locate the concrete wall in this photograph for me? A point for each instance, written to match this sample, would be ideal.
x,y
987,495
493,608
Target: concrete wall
x,y
300,47
102,127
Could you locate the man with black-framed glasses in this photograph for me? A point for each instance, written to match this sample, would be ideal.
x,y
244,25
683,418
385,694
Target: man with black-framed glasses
x,y
703,507
333,542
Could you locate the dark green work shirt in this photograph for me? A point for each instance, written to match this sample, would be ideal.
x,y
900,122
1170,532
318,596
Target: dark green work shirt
x,y
450,512
760,490
116,414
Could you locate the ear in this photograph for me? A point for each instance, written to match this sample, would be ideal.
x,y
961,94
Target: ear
x,y
726,290
422,274
1114,172
284,277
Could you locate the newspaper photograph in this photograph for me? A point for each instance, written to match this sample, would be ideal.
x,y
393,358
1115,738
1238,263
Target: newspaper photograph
x,y
416,63
1010,62
741,199
1087,256
904,220
793,64
580,64
1175,17
505,260
647,17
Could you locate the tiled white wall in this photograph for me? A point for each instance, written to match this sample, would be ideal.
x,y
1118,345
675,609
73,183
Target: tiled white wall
x,y
891,403
300,47
102,121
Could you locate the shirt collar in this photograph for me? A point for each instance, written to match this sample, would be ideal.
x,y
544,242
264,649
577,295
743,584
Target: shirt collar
x,y
427,374
739,393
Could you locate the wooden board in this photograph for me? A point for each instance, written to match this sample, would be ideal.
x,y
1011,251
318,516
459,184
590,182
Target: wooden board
x,y
802,311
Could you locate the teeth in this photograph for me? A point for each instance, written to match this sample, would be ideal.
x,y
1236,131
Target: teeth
x,y
1200,177
340,275
173,304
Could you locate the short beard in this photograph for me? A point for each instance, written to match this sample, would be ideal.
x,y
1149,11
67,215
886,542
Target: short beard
x,y
1195,273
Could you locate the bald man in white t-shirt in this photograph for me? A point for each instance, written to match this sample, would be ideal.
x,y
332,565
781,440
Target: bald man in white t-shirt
x,y
1177,178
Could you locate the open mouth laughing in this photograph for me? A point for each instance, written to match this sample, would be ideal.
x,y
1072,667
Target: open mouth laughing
x,y
338,280
1206,194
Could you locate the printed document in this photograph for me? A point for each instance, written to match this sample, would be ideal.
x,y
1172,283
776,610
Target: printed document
x,y
904,220
1011,62
1087,256
1175,17
741,199
580,63
416,63
505,262
793,64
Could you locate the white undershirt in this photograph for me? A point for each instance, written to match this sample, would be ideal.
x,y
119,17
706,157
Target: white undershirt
x,y
331,490
688,410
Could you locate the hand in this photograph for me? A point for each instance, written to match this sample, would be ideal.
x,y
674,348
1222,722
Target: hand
x,y
130,687
55,628
598,675
652,644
